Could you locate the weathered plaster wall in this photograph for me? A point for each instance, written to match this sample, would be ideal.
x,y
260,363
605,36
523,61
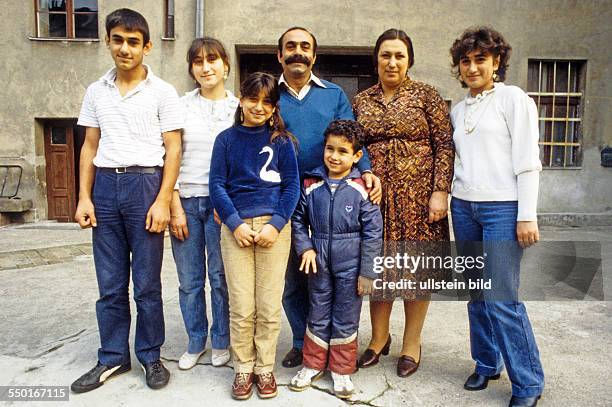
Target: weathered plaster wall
x,y
48,79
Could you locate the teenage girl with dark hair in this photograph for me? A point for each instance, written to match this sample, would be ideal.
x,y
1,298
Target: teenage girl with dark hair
x,y
255,188
194,233
494,201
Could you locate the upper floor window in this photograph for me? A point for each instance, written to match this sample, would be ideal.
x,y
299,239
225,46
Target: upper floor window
x,y
557,87
67,18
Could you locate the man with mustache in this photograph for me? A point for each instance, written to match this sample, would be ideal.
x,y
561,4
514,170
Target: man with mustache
x,y
307,105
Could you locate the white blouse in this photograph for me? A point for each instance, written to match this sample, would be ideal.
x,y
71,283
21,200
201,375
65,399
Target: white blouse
x,y
204,120
497,154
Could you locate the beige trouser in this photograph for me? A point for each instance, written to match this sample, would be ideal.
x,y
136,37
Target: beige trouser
x,y
255,281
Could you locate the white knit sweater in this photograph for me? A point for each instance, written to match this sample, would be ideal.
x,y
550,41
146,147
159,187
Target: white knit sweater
x,y
498,160
204,120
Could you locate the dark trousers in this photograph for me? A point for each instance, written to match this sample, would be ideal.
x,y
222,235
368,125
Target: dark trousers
x,y
121,204
295,299
335,308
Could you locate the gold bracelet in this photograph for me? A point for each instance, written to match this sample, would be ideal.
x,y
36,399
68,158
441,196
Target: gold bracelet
x,y
176,216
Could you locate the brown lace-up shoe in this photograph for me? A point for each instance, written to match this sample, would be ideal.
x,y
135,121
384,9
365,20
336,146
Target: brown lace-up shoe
x,y
266,385
242,388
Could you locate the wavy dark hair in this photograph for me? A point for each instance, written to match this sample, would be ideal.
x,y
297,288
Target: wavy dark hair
x,y
349,129
210,46
130,20
485,39
252,86
394,34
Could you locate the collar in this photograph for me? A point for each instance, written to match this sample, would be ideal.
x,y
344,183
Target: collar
x,y
321,172
470,100
110,76
313,79
376,91
230,99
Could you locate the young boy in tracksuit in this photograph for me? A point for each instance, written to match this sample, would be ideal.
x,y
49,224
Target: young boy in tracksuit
x,y
345,236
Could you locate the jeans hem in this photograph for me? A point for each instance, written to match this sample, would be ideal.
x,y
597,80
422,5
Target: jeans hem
x,y
113,364
531,391
488,371
149,359
220,342
196,346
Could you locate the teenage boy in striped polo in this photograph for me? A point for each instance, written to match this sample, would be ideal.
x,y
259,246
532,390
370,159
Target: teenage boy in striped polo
x,y
131,158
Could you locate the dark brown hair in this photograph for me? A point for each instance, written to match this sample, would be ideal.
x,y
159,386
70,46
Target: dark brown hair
x,y
314,40
349,129
252,86
394,34
130,20
210,46
485,39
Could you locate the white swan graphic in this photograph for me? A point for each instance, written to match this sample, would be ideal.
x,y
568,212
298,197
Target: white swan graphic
x,y
264,173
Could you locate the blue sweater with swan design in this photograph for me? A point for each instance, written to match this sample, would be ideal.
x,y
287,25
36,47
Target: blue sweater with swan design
x,y
251,177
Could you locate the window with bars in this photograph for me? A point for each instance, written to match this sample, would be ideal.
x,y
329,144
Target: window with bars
x,y
66,18
557,87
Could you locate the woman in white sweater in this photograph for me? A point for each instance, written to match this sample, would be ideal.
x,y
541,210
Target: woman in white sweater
x,y
195,235
494,201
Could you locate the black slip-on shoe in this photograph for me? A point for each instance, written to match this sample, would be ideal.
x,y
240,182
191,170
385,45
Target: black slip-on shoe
x,y
524,401
478,382
96,377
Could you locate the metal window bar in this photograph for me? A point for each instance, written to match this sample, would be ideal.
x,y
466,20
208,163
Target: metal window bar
x,y
552,130
574,94
569,76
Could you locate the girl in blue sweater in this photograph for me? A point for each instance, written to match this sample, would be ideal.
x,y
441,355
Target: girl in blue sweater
x,y
254,186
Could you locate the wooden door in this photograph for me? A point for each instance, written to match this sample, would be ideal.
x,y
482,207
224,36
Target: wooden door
x,y
59,156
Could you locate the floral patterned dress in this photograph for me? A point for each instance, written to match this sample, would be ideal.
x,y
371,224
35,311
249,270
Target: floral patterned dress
x,y
409,141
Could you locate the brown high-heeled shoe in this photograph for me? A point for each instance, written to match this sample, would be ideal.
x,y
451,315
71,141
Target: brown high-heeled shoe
x,y
406,365
370,358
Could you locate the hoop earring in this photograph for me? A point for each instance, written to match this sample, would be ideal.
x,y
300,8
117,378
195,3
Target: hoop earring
x,y
241,116
225,75
495,77
271,121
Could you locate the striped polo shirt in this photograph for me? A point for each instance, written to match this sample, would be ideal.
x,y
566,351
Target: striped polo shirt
x,y
131,126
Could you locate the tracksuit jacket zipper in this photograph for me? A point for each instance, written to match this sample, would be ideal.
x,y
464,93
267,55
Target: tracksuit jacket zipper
x,y
331,217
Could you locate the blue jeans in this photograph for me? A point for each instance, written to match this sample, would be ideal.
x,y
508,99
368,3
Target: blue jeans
x,y
500,331
295,299
191,260
121,204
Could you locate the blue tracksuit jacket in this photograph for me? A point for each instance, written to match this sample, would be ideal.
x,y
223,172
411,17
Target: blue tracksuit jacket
x,y
346,233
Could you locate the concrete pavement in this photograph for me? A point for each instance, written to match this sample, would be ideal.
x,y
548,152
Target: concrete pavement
x,y
49,337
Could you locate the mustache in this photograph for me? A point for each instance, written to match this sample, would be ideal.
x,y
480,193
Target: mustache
x,y
301,59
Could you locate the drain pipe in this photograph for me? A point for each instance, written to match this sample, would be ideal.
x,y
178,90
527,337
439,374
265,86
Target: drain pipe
x,y
199,32
170,19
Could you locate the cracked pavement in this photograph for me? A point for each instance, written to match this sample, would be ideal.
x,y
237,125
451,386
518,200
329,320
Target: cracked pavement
x,y
49,337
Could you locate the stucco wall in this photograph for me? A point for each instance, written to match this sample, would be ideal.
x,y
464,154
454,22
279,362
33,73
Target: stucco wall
x,y
48,79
